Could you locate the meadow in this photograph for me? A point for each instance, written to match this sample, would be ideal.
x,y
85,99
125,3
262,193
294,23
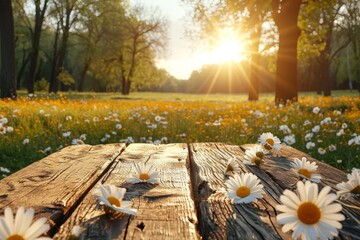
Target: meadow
x,y
327,128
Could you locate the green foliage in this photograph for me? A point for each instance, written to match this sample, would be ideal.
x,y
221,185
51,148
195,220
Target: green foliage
x,y
41,85
66,78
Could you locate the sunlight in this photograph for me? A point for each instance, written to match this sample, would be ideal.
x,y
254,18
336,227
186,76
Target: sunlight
x,y
228,49
228,45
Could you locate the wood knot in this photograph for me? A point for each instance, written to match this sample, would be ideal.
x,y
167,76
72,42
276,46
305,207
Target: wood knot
x,y
141,226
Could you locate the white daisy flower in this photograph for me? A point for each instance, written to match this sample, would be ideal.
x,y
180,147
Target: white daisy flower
x,y
309,136
352,186
332,147
144,173
306,170
310,145
315,129
254,155
340,132
309,213
290,139
244,188
232,166
321,151
2,130
20,227
112,199
269,141
306,122
316,110
285,129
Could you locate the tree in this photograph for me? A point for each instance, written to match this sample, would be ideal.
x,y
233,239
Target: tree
x,y
257,14
318,24
145,32
89,32
352,21
40,11
66,17
7,48
285,14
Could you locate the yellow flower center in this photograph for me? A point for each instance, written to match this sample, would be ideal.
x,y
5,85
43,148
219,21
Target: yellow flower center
x,y
114,201
243,191
270,141
15,237
256,160
144,176
260,154
229,168
356,190
309,213
305,172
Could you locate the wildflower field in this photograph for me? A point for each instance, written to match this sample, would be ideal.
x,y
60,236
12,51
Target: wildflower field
x,y
327,128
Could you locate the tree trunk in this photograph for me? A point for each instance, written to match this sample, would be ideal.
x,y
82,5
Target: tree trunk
x,y
286,18
61,59
25,61
54,60
325,80
254,68
34,54
255,56
80,87
7,48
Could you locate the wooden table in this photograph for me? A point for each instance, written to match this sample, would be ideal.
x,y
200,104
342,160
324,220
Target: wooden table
x,y
189,202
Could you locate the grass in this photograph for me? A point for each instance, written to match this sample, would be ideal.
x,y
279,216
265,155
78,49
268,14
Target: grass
x,y
32,128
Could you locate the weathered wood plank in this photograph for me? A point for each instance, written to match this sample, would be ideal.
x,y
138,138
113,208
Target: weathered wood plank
x,y
219,219
164,211
277,166
55,185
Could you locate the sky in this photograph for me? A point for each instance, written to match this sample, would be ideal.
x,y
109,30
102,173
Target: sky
x,y
181,59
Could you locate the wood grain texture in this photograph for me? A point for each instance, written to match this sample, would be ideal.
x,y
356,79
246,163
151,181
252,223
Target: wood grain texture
x,y
55,185
165,210
277,166
219,219
189,203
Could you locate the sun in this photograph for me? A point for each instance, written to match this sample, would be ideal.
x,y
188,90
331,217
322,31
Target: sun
x,y
228,47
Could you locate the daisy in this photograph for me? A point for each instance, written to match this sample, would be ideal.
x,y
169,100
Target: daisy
x,y
232,166
144,173
269,141
21,228
290,139
309,213
306,170
254,155
309,136
111,197
316,110
352,186
315,129
310,145
244,188
332,147
321,151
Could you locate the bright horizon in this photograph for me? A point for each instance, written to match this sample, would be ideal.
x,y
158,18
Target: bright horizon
x,y
181,60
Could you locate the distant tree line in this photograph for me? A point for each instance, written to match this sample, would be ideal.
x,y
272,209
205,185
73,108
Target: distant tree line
x,y
311,44
82,45
86,45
